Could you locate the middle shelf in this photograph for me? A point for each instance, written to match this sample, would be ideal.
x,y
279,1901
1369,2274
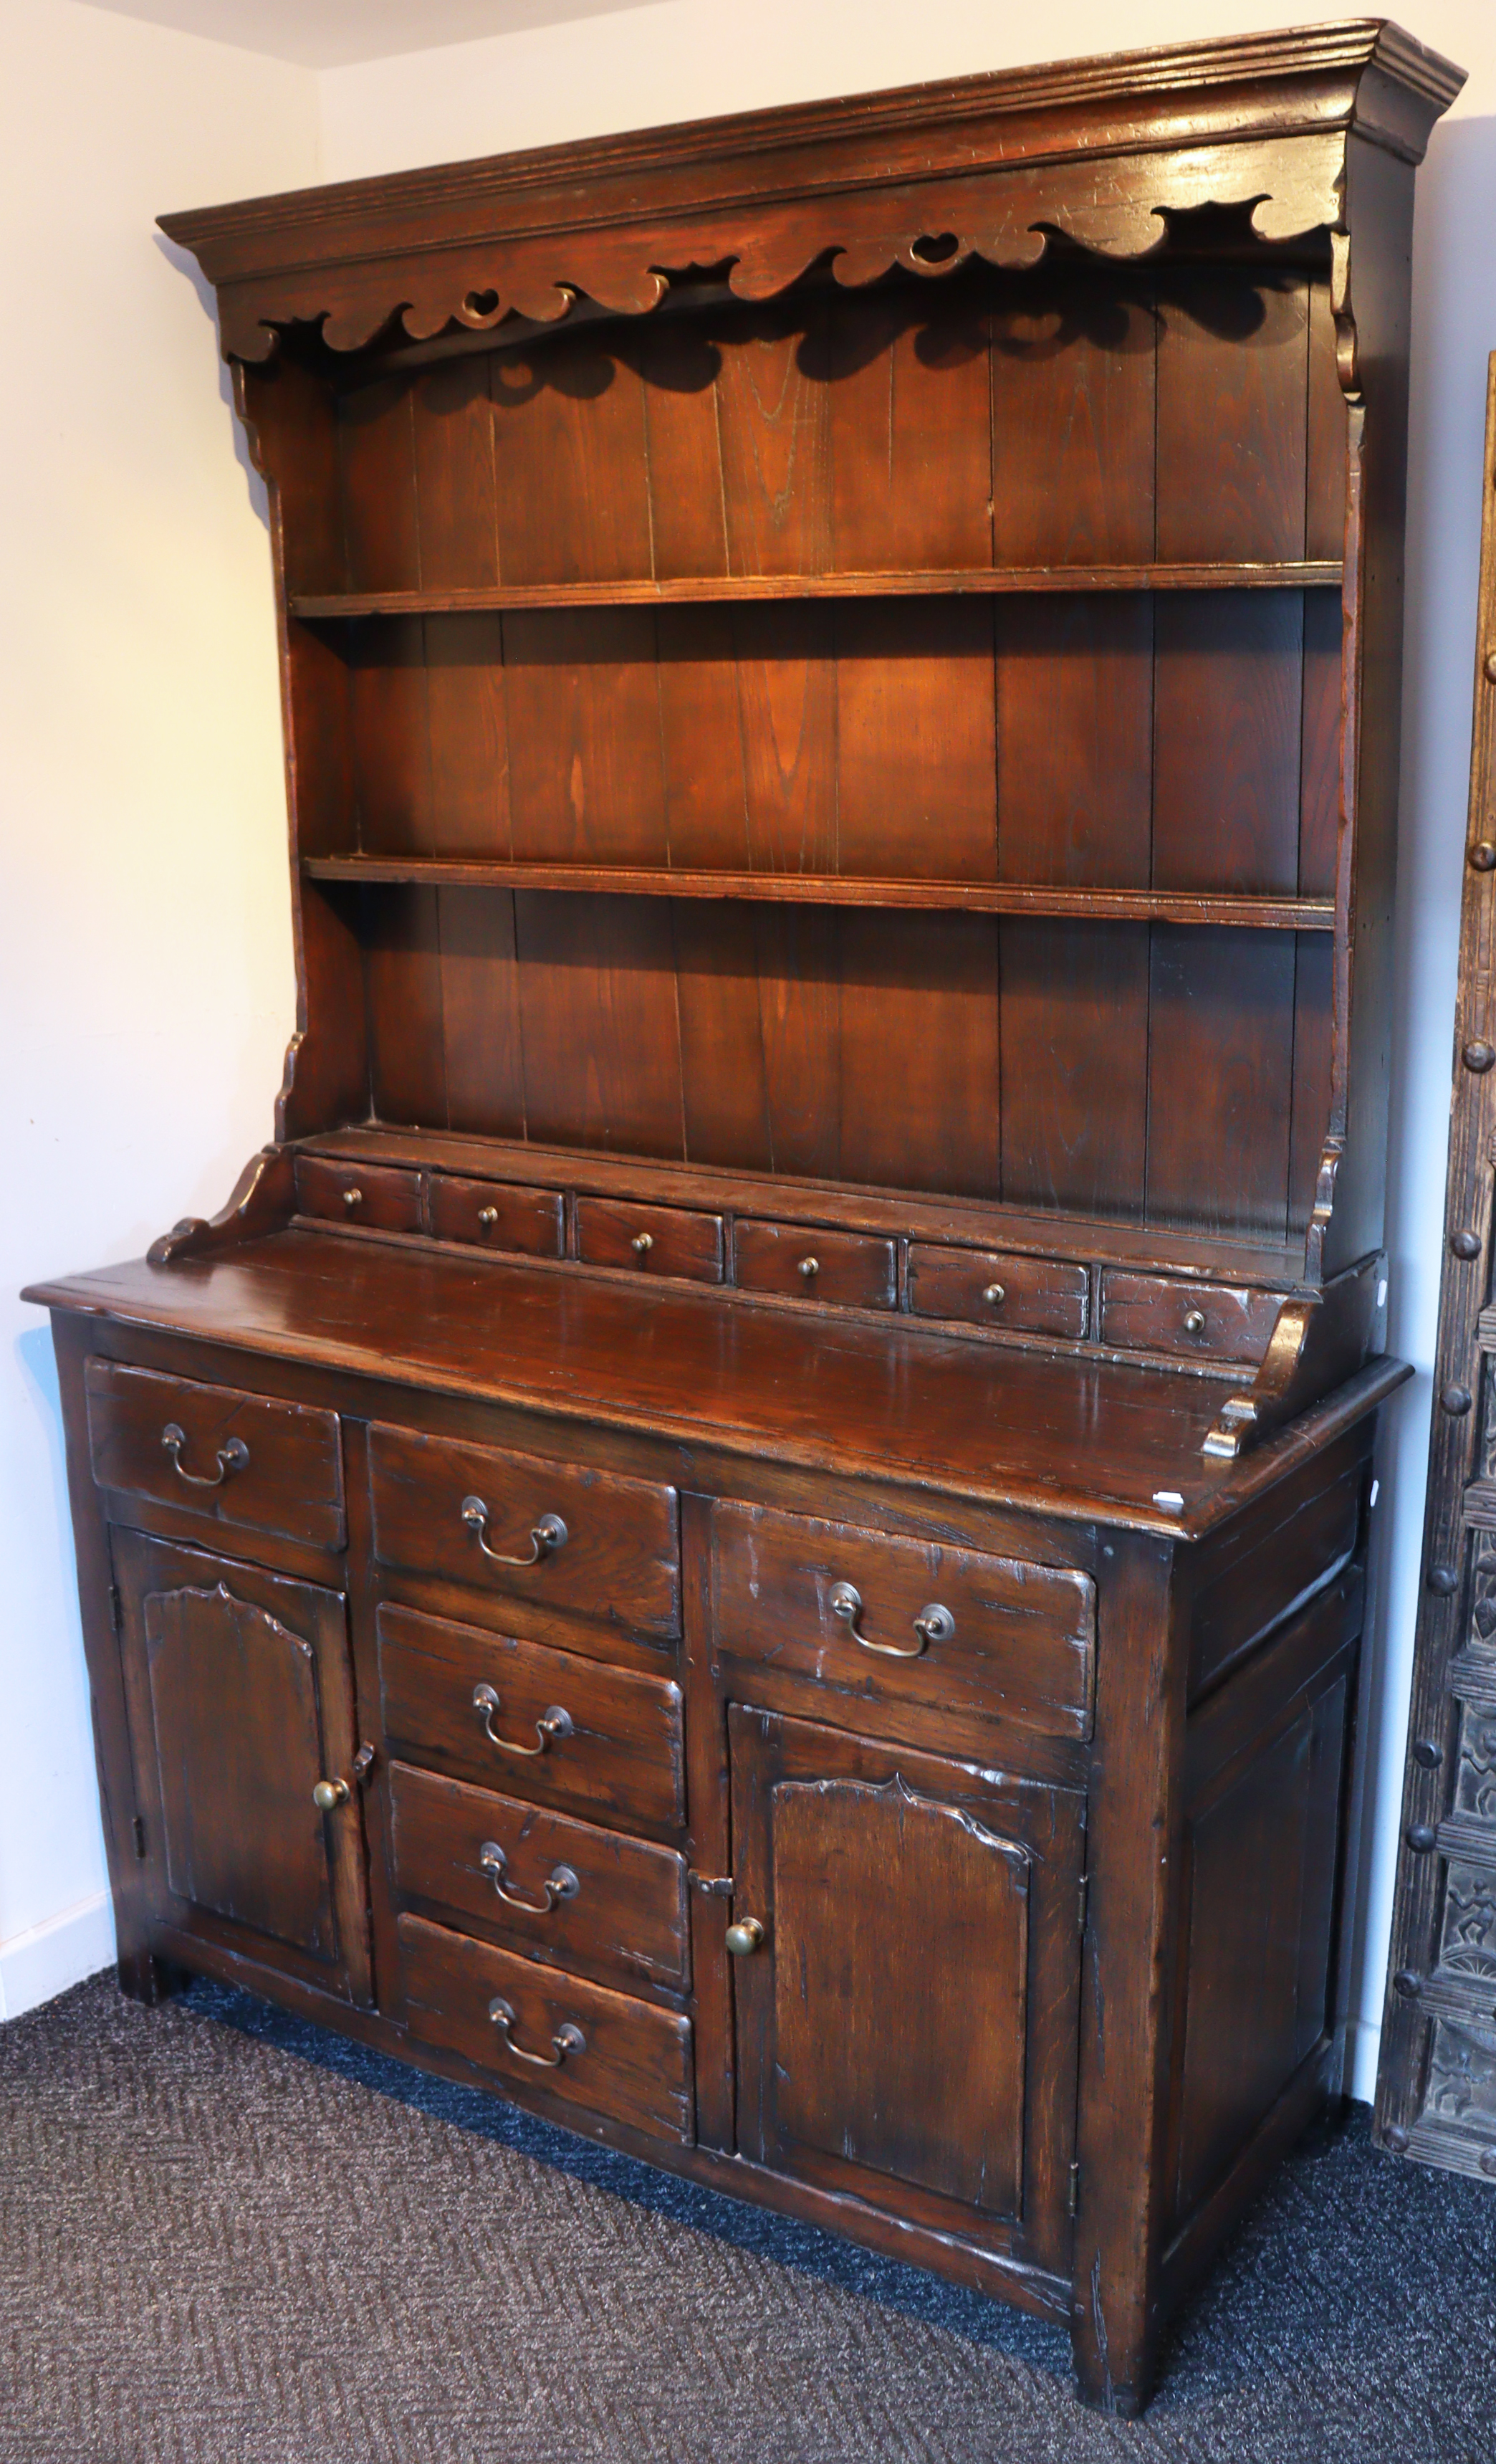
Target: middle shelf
x,y
1272,912
643,590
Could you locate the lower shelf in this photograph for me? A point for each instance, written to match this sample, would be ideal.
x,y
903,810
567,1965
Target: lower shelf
x,y
1261,912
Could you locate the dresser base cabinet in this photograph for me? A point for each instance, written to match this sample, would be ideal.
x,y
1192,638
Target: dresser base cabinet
x,y
1033,1997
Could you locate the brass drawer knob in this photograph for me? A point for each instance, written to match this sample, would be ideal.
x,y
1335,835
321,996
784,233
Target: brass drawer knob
x,y
743,1938
488,1217
232,1457
810,1267
642,1243
994,1295
545,1536
1195,1322
352,1198
329,1793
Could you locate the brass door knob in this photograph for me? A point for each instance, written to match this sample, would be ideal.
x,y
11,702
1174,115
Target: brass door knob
x,y
744,1937
488,1216
352,1198
642,1243
810,1267
1195,1322
994,1295
330,1793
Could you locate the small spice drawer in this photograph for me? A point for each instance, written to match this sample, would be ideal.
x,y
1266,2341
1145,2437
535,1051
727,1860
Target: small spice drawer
x,y
557,1884
497,1215
240,1458
1212,1321
896,1621
988,1288
655,1239
567,1731
365,1193
557,1533
852,1269
533,2026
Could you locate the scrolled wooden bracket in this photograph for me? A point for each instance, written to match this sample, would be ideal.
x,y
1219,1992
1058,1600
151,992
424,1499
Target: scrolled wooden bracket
x,y
262,1202
1323,1209
1318,1341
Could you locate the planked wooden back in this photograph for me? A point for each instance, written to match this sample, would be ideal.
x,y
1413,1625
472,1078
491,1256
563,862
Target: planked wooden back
x,y
1026,427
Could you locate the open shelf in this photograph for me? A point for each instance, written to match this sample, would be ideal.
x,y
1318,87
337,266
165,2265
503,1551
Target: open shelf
x,y
1273,913
988,580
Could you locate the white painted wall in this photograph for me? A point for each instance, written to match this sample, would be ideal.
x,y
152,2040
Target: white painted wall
x,y
193,662
145,979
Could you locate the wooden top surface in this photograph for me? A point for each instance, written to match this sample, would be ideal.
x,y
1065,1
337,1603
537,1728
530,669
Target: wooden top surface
x,y
1001,1427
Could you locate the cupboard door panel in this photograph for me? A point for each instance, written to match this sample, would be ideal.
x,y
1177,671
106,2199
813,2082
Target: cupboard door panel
x,y
241,1701
900,2099
906,2030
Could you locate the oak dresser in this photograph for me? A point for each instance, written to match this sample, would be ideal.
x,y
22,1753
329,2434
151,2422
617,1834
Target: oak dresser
x,y
751,1529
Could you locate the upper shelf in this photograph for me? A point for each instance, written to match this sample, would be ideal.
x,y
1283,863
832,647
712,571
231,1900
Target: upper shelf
x,y
1285,914
988,580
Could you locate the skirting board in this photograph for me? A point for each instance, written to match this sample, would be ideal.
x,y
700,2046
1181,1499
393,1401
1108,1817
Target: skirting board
x,y
1363,2040
49,1957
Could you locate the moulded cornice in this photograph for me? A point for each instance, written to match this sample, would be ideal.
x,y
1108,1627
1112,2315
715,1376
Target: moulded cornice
x,y
924,176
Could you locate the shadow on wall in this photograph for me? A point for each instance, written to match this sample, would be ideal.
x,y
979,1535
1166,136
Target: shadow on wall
x,y
39,1377
187,265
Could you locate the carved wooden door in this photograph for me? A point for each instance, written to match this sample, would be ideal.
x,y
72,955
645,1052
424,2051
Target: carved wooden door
x,y
241,1702
907,2023
1436,2089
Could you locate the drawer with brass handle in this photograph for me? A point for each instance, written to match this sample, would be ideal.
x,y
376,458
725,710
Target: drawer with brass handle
x,y
241,1459
1193,1321
852,1269
555,1883
376,1193
497,1215
885,1619
557,1533
581,2042
518,1715
995,1288
650,1240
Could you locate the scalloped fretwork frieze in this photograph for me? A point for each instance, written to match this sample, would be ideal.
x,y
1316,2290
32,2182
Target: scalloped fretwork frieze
x,y
926,178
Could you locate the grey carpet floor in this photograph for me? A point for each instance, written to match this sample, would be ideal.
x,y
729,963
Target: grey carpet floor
x,y
227,2237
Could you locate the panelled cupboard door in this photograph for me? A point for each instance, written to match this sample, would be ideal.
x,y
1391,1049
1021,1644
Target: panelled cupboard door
x,y
907,2025
240,1694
